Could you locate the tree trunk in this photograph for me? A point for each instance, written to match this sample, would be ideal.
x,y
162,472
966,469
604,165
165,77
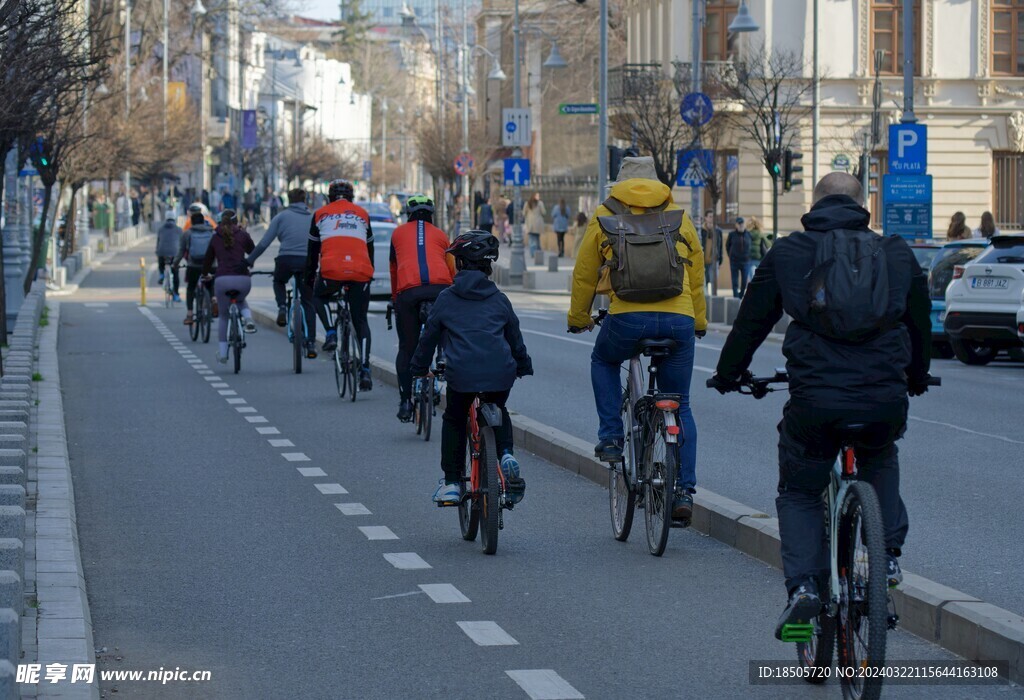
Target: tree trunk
x,y
71,227
37,240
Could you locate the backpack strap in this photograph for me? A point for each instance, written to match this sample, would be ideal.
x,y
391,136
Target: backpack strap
x,y
616,207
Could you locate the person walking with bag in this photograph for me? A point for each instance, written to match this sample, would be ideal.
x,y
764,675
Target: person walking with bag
x,y
534,220
738,245
560,218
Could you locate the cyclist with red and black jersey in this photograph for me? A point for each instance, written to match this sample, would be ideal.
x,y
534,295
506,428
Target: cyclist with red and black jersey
x,y
341,247
421,268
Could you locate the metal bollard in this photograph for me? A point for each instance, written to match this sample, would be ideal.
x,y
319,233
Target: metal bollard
x,y
142,279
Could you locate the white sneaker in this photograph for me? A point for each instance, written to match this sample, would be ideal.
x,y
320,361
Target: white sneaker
x,y
250,326
223,359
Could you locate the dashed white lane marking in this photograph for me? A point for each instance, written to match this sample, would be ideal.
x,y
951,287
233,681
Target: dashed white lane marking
x,y
263,430
196,361
544,684
312,471
280,442
378,532
220,385
406,560
443,593
205,371
235,401
256,419
212,378
331,489
201,366
227,392
245,409
968,430
352,509
487,634
96,304
295,456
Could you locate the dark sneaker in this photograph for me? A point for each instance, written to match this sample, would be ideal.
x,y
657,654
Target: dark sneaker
x,y
330,341
311,349
365,380
682,508
405,411
281,320
893,572
796,624
515,485
250,326
608,450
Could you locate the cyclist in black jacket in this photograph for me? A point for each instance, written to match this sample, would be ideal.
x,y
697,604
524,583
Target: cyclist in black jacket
x,y
833,384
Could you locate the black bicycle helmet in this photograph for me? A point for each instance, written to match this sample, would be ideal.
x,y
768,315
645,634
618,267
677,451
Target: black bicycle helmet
x,y
341,189
475,247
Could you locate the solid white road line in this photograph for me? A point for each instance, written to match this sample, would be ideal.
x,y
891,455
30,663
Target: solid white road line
x,y
280,442
967,430
264,430
331,489
352,508
544,684
443,593
406,560
312,471
295,456
487,634
378,532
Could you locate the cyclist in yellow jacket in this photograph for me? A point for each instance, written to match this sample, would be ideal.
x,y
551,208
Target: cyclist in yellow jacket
x,y
681,318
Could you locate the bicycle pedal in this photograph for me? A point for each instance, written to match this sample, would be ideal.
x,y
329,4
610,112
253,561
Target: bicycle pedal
x,y
892,621
446,505
681,524
797,632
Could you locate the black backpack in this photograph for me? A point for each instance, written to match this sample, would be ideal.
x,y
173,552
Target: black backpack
x,y
849,287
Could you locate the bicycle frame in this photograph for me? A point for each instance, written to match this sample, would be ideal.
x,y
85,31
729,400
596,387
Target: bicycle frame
x,y
637,393
295,297
843,472
474,450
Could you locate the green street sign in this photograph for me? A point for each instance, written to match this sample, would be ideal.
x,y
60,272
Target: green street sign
x,y
578,109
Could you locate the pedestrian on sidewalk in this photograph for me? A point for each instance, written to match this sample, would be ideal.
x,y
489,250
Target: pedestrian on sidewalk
x,y
711,244
738,245
227,250
958,230
987,229
760,242
579,229
485,216
535,212
560,218
168,239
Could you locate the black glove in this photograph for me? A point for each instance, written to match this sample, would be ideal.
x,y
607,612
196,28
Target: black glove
x,y
524,369
700,334
917,385
722,385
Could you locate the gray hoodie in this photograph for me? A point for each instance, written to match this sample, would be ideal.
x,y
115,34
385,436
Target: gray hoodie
x,y
167,239
291,228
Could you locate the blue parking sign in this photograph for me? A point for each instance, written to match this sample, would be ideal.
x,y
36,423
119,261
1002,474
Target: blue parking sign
x,y
908,149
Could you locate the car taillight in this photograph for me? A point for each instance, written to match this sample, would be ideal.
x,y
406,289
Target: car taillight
x,y
1020,328
958,271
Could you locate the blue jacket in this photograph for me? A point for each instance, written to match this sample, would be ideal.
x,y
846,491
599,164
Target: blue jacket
x,y
479,331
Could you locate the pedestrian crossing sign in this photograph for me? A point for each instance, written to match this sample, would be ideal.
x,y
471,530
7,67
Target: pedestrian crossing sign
x,y
695,167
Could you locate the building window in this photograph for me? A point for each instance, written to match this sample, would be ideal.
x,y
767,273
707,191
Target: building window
x,y
389,12
887,34
1008,190
727,173
719,44
1008,37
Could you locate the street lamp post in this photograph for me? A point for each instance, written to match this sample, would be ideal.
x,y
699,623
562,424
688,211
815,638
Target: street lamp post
x,y
908,63
127,85
383,146
602,98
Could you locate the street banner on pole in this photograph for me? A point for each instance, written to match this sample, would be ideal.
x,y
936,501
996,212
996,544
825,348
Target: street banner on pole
x,y
517,172
176,95
695,167
249,135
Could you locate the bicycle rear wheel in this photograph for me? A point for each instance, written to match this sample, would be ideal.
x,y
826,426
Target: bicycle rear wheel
x,y
235,339
354,363
469,509
864,603
207,321
661,460
193,330
621,485
298,337
427,409
490,491
340,377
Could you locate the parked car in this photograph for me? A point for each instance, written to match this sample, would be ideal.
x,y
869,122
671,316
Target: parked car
x,y
380,286
940,275
925,253
378,211
1020,319
983,300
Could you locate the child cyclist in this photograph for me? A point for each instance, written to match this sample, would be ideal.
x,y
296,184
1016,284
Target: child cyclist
x,y
484,354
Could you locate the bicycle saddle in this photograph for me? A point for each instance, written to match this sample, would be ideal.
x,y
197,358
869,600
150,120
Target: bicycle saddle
x,y
232,293
657,347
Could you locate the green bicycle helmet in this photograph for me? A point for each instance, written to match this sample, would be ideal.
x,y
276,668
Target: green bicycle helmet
x,y
419,203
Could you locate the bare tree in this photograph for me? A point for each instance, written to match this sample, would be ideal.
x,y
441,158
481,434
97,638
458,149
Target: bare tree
x,y
318,159
651,118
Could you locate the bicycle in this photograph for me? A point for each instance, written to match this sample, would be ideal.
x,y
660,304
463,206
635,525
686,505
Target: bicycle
x,y
856,616
236,326
426,392
296,319
488,493
169,275
202,313
646,473
347,360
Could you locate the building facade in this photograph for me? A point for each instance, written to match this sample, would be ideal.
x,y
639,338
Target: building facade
x,y
969,91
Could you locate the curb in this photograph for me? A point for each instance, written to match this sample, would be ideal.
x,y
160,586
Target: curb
x,y
958,622
119,242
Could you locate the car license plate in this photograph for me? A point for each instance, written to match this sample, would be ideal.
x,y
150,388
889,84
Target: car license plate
x,y
989,283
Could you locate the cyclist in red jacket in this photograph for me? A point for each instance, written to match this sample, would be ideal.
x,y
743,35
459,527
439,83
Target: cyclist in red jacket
x,y
420,269
341,246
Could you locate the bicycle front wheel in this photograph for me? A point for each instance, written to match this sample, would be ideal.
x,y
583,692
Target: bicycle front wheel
x,y
298,337
354,363
621,486
661,463
490,491
864,603
469,510
193,330
427,409
817,652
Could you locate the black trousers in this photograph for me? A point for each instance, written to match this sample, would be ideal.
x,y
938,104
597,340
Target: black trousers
x,y
358,302
192,275
285,268
164,261
560,237
455,433
408,324
810,438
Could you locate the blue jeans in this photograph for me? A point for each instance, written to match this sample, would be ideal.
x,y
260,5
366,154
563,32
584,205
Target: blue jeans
x,y
740,275
617,343
752,268
534,244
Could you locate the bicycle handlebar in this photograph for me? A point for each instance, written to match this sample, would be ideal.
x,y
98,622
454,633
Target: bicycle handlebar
x,y
596,318
759,387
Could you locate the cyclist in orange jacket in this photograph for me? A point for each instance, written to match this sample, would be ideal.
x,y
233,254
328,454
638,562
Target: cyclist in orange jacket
x,y
341,246
421,268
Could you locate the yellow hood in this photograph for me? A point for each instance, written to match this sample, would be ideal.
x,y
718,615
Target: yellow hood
x,y
639,192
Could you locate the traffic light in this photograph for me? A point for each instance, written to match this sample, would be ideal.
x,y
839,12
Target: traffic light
x,y
790,167
774,163
867,172
39,152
